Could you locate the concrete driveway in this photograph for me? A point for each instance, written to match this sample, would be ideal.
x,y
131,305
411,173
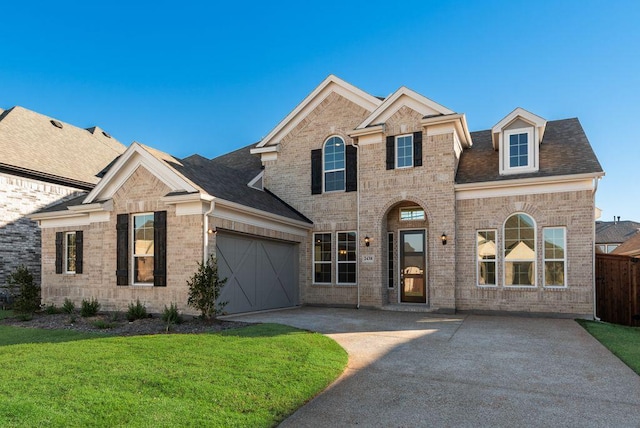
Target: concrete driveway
x,y
411,369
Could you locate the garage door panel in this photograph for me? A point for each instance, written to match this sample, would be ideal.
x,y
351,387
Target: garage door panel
x,y
262,274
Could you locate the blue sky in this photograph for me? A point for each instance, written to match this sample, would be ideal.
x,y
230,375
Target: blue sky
x,y
201,77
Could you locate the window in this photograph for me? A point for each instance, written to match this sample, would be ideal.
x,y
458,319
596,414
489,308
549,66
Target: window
x,y
143,249
412,213
519,251
322,258
390,253
520,150
347,258
334,165
404,151
554,256
486,257
70,252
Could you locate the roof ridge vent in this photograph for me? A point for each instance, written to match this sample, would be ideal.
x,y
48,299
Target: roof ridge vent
x,y
56,123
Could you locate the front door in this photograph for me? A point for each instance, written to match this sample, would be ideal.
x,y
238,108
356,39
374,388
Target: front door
x,y
412,266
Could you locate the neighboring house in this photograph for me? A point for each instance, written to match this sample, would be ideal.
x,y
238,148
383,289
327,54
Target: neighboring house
x,y
42,161
630,247
610,234
350,200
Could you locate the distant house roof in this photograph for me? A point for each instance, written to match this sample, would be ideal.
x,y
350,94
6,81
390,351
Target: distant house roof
x,y
39,146
630,247
615,232
565,150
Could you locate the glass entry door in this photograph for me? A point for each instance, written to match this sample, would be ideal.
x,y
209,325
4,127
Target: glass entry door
x,y
412,266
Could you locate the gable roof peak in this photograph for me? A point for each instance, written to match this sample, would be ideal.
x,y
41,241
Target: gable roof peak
x,y
329,85
519,113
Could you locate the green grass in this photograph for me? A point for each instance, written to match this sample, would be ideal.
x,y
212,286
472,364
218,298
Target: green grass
x,y
5,313
622,341
254,376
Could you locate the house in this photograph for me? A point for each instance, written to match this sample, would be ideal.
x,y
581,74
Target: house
x,y
611,234
351,200
43,161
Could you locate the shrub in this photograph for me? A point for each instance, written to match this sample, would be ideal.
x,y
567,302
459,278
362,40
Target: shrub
x,y
68,307
89,308
24,290
52,309
137,311
171,315
205,287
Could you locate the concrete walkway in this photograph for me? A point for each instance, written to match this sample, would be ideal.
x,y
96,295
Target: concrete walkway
x,y
410,369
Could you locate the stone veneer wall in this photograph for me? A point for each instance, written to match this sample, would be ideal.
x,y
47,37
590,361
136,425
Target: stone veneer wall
x,y
141,193
19,235
573,210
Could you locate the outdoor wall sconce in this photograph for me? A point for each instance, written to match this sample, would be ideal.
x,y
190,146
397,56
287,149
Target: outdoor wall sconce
x,y
367,241
212,231
444,238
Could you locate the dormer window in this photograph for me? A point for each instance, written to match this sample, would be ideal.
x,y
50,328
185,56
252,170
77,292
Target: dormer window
x,y
519,147
517,138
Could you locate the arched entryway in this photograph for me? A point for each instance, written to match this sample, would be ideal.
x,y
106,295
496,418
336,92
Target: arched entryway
x,y
406,257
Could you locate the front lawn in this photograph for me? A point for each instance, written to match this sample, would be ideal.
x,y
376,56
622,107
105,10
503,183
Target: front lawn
x,y
622,341
253,376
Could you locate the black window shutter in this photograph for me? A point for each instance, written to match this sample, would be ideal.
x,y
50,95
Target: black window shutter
x,y
417,149
59,251
352,169
79,253
316,171
160,248
122,249
391,152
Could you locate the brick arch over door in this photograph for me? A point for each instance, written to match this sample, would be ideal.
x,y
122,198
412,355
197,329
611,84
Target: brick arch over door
x,y
382,214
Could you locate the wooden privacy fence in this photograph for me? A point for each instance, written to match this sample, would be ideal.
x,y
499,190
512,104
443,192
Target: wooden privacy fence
x,y
618,289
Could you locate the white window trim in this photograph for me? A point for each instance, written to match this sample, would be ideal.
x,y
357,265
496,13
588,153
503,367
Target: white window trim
x,y
396,151
532,151
325,171
535,259
544,259
411,209
132,255
313,258
66,253
338,262
495,261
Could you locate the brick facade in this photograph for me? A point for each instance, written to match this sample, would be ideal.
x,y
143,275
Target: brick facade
x,y
20,236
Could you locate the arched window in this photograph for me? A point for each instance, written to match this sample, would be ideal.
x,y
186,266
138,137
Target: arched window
x,y
520,251
333,164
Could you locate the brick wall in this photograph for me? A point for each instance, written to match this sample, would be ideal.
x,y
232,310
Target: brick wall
x,y
141,193
20,236
573,210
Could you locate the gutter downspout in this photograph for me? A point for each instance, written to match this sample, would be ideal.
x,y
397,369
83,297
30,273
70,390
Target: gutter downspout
x,y
358,219
595,301
205,240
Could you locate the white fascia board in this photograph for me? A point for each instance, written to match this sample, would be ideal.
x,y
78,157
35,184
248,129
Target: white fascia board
x,y
267,149
256,179
366,131
134,157
407,97
527,186
329,85
459,121
228,210
190,204
187,197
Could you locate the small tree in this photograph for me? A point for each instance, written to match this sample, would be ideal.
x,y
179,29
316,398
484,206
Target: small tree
x,y
205,287
24,290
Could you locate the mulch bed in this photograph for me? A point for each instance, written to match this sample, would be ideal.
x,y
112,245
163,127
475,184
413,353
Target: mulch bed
x,y
117,325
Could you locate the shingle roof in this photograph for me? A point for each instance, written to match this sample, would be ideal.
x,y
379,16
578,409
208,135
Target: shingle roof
x,y
226,177
630,247
32,143
615,232
565,150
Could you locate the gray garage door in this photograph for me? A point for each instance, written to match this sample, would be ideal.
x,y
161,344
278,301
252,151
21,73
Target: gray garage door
x,y
261,274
